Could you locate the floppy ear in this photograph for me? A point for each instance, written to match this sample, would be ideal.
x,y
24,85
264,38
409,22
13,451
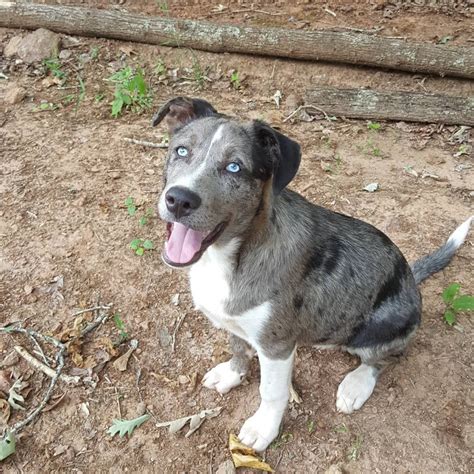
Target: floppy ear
x,y
181,110
284,152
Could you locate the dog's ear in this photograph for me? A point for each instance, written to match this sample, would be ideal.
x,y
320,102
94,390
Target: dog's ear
x,y
181,110
285,154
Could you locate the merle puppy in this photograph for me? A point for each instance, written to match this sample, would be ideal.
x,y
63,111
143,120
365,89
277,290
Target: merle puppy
x,y
275,270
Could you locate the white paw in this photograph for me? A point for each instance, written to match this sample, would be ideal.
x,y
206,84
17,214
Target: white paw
x,y
222,378
356,388
261,428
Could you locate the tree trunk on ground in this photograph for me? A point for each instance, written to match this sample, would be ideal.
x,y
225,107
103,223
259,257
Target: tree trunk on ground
x,y
317,45
406,106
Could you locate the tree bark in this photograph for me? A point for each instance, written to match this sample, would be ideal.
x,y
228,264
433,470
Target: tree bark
x,y
316,45
406,106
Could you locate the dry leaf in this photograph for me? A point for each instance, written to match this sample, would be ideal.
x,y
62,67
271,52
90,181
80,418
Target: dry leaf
x,y
122,362
195,421
243,456
14,395
55,401
295,396
5,381
108,345
4,413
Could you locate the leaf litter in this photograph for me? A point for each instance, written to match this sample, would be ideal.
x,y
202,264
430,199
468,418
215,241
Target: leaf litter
x,y
195,421
243,456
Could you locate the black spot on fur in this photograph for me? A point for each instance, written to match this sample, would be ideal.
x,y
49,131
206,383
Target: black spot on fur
x,y
332,257
314,262
372,332
298,302
351,272
392,285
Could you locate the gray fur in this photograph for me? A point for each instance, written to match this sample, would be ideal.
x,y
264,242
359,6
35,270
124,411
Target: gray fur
x,y
332,280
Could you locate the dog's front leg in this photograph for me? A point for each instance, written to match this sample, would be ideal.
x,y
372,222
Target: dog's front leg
x,y
262,428
227,375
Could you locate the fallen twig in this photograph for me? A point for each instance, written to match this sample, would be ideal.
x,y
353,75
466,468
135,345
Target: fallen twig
x,y
306,107
94,308
56,373
43,367
176,329
145,143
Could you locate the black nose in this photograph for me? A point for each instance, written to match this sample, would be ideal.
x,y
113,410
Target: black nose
x,y
181,201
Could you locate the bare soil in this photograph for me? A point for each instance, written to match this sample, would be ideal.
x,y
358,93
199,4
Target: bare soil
x,y
65,174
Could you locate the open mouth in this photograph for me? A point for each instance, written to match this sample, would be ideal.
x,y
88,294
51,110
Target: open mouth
x,y
185,246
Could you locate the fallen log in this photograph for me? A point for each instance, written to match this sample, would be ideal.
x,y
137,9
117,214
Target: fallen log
x,y
406,106
316,45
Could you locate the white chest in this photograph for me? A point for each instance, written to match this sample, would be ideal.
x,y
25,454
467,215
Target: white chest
x,y
209,281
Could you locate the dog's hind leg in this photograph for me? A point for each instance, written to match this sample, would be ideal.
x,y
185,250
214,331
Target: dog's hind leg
x,y
358,385
227,375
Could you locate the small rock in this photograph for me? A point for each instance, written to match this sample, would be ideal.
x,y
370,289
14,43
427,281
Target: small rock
x,y
12,47
183,380
175,299
371,187
65,54
141,409
227,467
36,46
14,94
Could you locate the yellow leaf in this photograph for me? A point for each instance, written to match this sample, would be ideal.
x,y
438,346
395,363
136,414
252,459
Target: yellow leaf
x,y
243,456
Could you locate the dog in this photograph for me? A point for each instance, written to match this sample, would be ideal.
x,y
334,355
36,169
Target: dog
x,y
275,270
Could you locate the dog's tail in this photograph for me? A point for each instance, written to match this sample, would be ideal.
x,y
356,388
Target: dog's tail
x,y
436,261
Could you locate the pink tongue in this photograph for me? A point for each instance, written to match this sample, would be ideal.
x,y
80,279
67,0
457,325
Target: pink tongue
x,y
183,243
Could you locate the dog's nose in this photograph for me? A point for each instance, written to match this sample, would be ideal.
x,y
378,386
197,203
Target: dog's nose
x,y
181,201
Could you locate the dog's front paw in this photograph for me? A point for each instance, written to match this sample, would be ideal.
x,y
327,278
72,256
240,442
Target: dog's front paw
x,y
261,429
222,378
356,388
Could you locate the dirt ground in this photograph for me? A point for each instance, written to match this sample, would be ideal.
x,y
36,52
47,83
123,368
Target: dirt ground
x,y
66,172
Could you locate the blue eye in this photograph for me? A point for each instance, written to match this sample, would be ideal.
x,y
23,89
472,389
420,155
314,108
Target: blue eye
x,y
233,167
182,151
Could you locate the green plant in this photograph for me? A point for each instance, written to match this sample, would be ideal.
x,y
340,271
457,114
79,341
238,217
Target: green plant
x,y
53,66
160,67
284,438
342,428
131,206
144,219
94,52
45,106
198,73
99,97
456,303
131,91
354,450
234,80
120,325
163,6
373,149
311,426
373,126
140,245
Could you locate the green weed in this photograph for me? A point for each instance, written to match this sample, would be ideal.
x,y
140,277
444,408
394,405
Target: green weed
x,y
456,303
131,91
120,325
355,449
140,245
283,439
373,126
234,80
160,67
53,66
